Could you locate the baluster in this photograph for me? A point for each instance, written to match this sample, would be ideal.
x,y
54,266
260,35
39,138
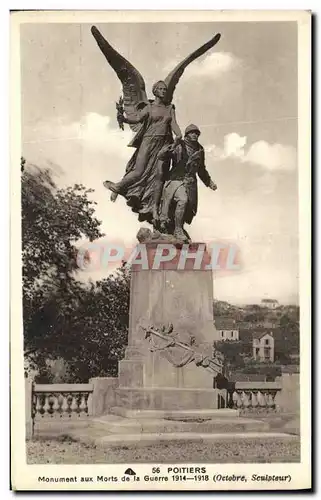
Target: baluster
x,y
46,406
69,399
266,399
38,406
254,401
78,399
60,403
74,403
246,399
83,403
64,406
258,399
261,399
56,405
238,399
241,394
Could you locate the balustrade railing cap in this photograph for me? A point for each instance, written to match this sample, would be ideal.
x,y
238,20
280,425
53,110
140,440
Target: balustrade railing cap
x,y
258,386
63,388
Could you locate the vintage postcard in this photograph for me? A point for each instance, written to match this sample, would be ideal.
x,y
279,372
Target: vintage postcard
x,y
160,250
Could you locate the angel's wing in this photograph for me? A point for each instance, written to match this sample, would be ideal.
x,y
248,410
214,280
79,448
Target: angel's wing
x,y
134,92
172,79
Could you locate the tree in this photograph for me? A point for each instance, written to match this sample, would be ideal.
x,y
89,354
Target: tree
x,y
254,317
287,339
53,220
85,325
97,329
233,351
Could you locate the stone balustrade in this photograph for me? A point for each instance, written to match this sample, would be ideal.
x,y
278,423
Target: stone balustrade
x,y
45,403
61,401
254,396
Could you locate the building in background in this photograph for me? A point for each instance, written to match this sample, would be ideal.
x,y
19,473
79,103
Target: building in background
x,y
226,328
270,303
263,346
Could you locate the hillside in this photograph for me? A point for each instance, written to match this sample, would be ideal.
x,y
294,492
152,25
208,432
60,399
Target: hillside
x,y
255,313
283,321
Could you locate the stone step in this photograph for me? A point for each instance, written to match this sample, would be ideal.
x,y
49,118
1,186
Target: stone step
x,y
179,414
138,440
119,425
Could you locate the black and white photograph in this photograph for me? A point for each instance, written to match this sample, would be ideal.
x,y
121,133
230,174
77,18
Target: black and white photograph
x,y
160,250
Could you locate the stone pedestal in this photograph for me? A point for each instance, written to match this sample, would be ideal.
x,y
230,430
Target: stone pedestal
x,y
183,297
155,401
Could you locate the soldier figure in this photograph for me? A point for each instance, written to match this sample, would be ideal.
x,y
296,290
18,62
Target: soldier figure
x,y
179,197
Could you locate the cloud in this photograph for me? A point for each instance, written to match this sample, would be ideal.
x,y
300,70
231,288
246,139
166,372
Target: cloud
x,y
273,157
98,134
95,131
213,151
213,65
234,145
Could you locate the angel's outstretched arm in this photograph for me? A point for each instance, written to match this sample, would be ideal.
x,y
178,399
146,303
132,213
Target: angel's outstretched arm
x,y
140,117
175,126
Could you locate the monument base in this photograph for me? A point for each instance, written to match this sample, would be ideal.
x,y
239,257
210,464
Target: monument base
x,y
166,390
167,398
158,375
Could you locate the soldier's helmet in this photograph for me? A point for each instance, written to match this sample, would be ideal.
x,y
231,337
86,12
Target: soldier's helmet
x,y
192,128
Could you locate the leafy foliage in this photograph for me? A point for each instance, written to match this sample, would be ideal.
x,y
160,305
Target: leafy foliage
x,y
97,328
85,325
288,339
52,221
233,351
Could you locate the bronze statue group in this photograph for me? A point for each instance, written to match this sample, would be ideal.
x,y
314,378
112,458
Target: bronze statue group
x,y
160,181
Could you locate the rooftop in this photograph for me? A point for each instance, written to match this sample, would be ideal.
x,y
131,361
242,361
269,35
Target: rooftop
x,y
260,332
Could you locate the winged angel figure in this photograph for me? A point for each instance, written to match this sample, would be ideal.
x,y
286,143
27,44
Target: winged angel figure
x,y
153,122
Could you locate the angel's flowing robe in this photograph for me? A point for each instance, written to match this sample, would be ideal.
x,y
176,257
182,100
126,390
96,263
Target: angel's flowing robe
x,y
156,133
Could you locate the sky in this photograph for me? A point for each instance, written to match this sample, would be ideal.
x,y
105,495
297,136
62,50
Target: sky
x,y
243,96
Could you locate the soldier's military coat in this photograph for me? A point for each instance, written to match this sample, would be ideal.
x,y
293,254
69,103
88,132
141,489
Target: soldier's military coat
x,y
187,161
